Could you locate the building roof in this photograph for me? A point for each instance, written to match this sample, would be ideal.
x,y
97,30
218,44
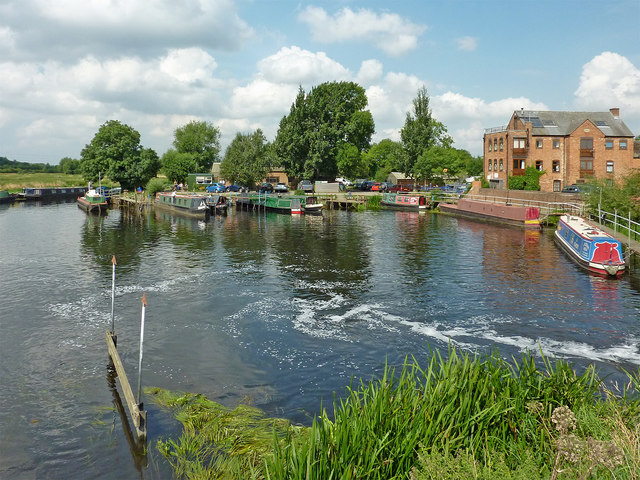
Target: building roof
x,y
565,123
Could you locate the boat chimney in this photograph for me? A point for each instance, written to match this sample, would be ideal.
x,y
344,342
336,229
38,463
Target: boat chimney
x,y
615,112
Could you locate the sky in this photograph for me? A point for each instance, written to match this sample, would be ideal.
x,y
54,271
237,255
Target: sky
x,y
69,66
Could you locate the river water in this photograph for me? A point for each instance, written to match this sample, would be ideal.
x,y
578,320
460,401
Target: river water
x,y
280,311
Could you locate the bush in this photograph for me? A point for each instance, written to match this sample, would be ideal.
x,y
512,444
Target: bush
x,y
156,185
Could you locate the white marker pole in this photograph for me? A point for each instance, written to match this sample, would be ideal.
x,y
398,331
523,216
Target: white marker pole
x,y
113,295
144,306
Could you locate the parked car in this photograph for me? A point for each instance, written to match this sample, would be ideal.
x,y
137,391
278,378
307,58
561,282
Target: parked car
x,y
572,189
216,188
281,187
367,186
360,183
399,188
306,186
376,187
266,187
235,188
344,181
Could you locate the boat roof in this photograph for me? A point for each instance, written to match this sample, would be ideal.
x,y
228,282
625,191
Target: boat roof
x,y
586,229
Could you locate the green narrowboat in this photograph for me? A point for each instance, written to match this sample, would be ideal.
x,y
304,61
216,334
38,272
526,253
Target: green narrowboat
x,y
287,204
93,202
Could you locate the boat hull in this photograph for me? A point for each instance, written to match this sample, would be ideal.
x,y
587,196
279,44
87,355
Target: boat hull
x,y
194,206
589,247
520,216
99,208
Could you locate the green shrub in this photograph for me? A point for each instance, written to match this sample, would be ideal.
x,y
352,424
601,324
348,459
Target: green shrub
x,y
156,185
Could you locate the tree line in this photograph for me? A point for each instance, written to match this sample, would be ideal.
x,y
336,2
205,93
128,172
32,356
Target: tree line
x,y
326,133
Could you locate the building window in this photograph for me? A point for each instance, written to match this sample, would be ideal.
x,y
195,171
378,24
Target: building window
x,y
495,144
608,144
623,144
609,166
556,143
556,166
538,143
489,165
495,165
586,164
556,185
490,146
501,165
539,165
519,143
586,143
501,145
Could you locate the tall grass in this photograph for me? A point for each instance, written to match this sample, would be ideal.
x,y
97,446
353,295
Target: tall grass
x,y
470,413
15,182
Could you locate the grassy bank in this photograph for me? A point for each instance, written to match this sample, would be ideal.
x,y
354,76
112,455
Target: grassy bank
x,y
460,417
15,182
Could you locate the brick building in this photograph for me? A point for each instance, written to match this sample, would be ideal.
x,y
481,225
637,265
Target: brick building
x,y
571,147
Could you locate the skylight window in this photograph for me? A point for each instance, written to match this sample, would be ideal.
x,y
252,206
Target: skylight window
x,y
549,123
601,123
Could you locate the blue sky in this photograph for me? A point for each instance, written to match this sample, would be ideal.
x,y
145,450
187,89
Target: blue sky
x,y
68,66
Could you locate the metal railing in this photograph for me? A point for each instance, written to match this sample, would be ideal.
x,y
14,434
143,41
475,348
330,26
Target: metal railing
x,y
618,223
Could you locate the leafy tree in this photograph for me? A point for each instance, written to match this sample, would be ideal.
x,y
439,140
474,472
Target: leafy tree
x,y
319,125
177,166
421,131
474,166
623,197
433,162
383,158
69,166
200,139
247,159
115,151
349,161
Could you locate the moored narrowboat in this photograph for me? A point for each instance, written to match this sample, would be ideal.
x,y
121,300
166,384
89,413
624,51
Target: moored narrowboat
x,y
6,197
218,204
404,201
287,204
183,204
589,246
521,216
50,193
93,202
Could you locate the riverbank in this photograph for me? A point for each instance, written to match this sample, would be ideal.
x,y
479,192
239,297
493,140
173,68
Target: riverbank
x,y
461,417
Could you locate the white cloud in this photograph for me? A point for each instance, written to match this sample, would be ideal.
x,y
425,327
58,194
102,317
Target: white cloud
x,y
370,72
387,31
297,66
261,98
610,80
467,44
188,65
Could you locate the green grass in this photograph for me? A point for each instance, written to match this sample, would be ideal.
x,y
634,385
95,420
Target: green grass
x,y
15,182
460,414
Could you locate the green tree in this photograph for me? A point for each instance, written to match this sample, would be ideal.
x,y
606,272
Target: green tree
x,y
349,161
177,166
421,131
247,159
319,125
69,166
383,158
115,151
200,139
438,161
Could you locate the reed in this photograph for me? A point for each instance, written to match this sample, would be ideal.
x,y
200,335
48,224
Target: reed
x,y
463,412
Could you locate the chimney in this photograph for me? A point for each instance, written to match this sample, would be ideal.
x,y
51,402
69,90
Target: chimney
x,y
615,112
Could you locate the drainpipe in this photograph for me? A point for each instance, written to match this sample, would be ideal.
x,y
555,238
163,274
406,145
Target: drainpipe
x,y
507,167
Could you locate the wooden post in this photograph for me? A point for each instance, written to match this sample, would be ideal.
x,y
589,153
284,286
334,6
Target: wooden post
x,y
138,415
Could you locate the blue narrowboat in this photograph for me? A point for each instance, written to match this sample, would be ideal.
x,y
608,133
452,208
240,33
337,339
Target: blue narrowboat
x,y
589,246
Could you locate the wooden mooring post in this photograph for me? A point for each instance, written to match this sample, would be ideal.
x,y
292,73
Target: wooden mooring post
x,y
136,407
